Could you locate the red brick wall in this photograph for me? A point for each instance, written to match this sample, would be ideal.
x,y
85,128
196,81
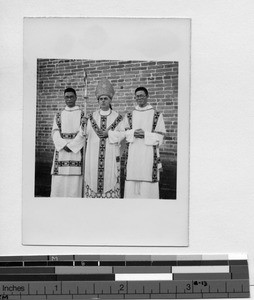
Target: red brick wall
x,y
54,75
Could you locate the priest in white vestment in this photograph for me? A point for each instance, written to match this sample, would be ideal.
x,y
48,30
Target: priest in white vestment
x,y
145,130
104,132
67,162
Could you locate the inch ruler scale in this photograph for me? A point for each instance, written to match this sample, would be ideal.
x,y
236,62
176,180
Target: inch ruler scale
x,y
123,277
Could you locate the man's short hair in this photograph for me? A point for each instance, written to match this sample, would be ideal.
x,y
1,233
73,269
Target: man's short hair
x,y
69,89
141,88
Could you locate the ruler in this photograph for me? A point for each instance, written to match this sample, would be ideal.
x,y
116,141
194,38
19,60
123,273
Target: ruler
x,y
123,277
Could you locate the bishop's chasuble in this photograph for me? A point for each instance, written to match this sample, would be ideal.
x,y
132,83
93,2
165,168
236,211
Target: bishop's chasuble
x,y
143,157
102,162
67,166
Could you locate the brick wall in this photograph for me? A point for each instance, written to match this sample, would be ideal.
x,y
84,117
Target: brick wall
x,y
54,75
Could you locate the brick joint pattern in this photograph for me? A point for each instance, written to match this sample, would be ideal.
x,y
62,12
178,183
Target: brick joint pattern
x,y
54,75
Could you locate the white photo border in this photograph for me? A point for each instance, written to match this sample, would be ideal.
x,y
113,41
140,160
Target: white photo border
x,y
114,222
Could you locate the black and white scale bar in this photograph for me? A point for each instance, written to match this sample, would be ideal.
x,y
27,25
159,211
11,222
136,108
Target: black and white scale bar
x,y
177,272
51,277
128,260
123,276
98,289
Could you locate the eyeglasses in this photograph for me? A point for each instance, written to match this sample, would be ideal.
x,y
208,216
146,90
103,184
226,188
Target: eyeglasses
x,y
69,97
140,96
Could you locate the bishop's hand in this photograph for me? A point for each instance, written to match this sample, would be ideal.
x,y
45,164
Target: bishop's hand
x,y
103,134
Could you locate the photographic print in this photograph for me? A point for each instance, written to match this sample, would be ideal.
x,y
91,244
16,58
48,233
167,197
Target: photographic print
x,y
106,131
60,173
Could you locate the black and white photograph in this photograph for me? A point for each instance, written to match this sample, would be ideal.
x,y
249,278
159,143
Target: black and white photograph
x,y
66,67
106,115
134,156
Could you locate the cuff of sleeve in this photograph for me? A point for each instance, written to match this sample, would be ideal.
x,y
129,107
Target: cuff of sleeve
x,y
112,137
129,135
60,145
151,138
72,148
58,141
76,145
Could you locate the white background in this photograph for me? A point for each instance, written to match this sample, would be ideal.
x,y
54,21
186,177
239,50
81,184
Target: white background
x,y
111,222
222,110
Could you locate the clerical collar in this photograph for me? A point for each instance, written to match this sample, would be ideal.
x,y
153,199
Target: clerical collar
x,y
105,112
71,108
147,107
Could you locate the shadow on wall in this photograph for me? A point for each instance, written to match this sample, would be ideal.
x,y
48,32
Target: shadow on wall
x,y
167,182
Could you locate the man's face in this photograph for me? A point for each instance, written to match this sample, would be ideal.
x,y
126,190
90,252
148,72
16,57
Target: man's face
x,y
141,98
70,99
104,102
